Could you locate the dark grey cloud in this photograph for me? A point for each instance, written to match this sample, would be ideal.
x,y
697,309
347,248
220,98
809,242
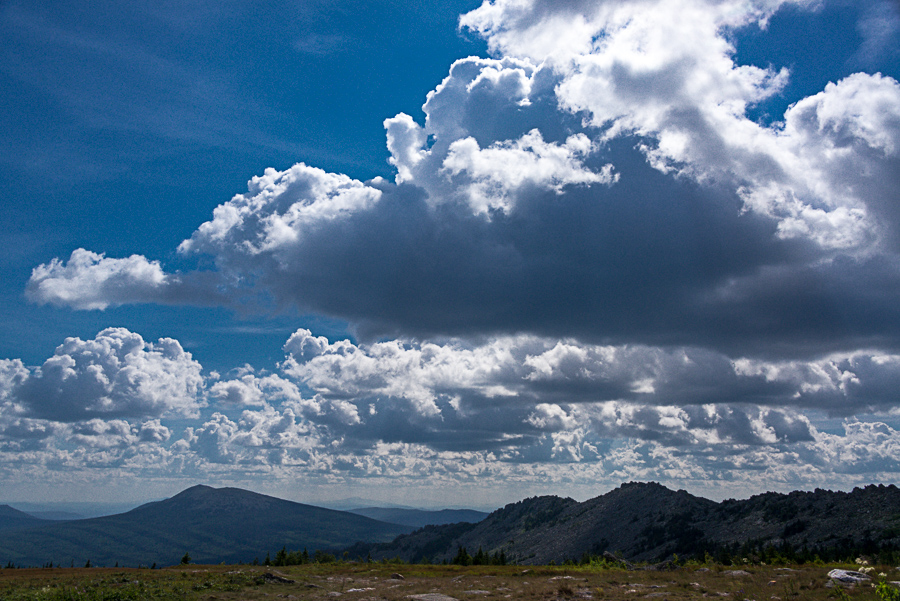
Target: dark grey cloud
x,y
647,260
698,228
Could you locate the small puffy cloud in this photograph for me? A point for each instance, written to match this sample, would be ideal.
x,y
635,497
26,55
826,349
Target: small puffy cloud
x,y
699,426
303,346
844,145
103,433
263,438
115,375
153,431
91,281
250,390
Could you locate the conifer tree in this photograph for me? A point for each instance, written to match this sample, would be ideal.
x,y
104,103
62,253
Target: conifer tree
x,y
462,557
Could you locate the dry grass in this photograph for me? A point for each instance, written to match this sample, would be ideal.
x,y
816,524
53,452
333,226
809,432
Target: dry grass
x,y
374,582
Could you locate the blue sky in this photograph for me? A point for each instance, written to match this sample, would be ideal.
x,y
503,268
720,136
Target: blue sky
x,y
468,252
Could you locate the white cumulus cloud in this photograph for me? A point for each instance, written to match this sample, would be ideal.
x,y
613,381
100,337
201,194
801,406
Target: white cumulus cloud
x,y
92,281
117,374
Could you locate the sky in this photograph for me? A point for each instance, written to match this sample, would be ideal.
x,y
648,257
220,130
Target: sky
x,y
448,253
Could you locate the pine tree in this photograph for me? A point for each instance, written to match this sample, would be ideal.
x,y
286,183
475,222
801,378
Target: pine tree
x,y
462,557
186,559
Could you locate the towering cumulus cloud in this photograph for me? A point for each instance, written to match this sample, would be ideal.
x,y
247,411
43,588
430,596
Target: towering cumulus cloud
x,y
590,255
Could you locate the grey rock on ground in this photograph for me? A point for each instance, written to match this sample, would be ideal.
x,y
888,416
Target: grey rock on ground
x,y
432,597
848,576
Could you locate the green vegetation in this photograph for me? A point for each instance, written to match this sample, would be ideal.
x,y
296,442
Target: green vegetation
x,y
602,579
887,591
119,585
479,559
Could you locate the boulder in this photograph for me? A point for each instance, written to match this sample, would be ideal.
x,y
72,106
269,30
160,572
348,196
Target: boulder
x,y
848,576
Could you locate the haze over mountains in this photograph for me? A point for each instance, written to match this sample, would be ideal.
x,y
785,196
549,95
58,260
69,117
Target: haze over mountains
x,y
637,520
419,517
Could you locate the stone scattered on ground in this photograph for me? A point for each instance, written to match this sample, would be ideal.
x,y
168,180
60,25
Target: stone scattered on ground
x,y
276,578
396,576
736,573
432,597
848,576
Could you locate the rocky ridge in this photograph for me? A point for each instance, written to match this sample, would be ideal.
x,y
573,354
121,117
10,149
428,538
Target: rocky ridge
x,y
649,522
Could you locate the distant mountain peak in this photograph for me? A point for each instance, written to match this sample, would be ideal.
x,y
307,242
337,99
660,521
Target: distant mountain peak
x,y
197,489
213,524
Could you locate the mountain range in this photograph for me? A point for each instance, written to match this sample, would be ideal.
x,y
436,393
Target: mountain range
x,y
649,522
637,521
212,525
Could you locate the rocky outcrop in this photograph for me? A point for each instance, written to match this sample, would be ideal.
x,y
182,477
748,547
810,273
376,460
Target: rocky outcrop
x,y
649,522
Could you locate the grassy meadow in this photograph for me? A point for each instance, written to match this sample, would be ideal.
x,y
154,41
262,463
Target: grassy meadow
x,y
380,582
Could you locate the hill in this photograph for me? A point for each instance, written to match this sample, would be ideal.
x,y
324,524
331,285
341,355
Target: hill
x,y
417,518
647,521
213,525
13,519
